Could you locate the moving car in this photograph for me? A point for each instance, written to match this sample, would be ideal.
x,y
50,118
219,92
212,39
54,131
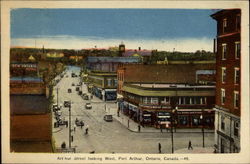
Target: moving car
x,y
86,97
108,118
88,106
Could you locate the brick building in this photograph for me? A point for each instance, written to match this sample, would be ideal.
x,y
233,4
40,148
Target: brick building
x,y
155,94
227,108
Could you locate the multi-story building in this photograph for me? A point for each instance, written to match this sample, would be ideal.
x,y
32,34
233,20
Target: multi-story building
x,y
155,94
227,108
30,117
102,77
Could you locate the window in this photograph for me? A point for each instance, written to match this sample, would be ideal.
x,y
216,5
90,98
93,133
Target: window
x,y
154,100
236,75
236,99
237,50
165,100
146,100
222,123
115,83
236,129
223,96
238,22
181,100
224,25
109,82
223,74
224,51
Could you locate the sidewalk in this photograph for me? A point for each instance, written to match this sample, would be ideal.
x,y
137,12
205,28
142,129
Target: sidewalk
x,y
133,126
195,150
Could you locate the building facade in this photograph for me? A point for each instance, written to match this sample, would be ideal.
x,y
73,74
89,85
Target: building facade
x,y
227,108
159,104
155,94
102,77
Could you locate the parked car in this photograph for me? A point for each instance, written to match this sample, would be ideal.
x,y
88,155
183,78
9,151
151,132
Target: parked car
x,y
55,108
88,106
77,88
73,84
80,92
79,123
86,97
69,90
108,118
60,122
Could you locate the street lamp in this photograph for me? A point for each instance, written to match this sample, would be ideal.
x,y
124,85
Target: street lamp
x,y
68,104
172,133
201,118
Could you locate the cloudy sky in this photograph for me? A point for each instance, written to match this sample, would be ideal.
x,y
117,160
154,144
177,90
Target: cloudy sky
x,y
163,29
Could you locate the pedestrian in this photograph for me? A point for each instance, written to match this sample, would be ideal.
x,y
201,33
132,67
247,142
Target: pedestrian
x,y
139,128
159,147
87,129
190,145
81,124
63,145
66,124
74,127
161,128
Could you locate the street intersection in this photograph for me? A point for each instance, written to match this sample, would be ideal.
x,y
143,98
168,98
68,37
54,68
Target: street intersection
x,y
115,136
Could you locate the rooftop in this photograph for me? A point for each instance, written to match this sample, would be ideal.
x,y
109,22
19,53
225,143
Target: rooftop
x,y
152,85
113,59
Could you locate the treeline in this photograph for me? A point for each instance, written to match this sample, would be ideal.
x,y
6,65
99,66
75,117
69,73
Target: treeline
x,y
22,54
184,56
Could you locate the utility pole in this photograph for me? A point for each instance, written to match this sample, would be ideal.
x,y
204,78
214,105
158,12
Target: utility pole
x,y
57,95
69,124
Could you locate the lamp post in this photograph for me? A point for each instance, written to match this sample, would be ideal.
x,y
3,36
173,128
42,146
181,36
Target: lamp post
x,y
172,124
57,96
201,118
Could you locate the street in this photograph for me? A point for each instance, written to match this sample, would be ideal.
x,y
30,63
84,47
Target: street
x,y
110,137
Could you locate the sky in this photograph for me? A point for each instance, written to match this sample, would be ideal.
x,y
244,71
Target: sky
x,y
184,30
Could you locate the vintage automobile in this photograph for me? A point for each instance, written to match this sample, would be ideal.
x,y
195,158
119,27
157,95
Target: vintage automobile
x,y
86,97
79,123
55,107
108,118
73,84
69,90
60,122
80,92
88,106
77,88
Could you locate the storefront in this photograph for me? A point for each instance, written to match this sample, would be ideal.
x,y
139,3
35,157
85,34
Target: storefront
x,y
97,92
163,120
146,118
110,94
192,118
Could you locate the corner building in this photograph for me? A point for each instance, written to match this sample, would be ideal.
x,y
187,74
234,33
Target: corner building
x,y
227,108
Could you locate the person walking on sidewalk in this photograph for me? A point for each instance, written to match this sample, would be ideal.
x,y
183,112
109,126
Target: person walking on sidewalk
x,y
139,128
159,147
74,127
190,145
87,129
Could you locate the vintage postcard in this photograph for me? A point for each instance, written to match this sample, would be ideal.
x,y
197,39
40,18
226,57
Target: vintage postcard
x,y
125,81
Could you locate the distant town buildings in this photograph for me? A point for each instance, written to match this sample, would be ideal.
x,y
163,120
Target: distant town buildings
x,y
227,108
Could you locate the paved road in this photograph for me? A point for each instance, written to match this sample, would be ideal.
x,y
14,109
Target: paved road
x,y
109,137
